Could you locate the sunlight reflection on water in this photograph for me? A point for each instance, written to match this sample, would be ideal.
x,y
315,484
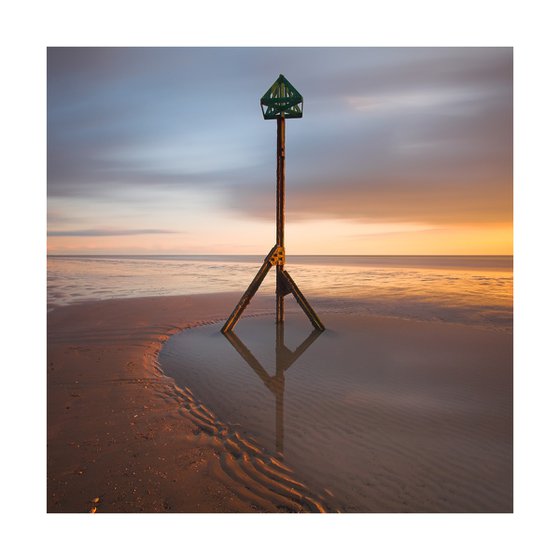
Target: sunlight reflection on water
x,y
471,290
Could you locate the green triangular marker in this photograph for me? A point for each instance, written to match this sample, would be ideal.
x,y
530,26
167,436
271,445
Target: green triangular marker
x,y
282,100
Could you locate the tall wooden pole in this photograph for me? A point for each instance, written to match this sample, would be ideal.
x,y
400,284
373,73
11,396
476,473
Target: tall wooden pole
x,y
280,102
280,211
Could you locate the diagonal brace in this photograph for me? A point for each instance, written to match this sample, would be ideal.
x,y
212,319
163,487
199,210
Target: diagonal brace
x,y
250,292
300,298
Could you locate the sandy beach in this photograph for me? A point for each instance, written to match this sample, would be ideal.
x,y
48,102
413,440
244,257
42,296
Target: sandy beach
x,y
124,437
120,437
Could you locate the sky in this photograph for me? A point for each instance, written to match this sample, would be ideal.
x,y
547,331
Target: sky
x,y
165,151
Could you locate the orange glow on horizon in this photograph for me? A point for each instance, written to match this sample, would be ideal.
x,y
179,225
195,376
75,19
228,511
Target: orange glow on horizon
x,y
322,237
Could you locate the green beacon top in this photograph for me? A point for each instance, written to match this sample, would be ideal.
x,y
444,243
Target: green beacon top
x,y
282,100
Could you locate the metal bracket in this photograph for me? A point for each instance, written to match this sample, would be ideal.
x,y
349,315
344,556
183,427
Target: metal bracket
x,y
283,288
278,257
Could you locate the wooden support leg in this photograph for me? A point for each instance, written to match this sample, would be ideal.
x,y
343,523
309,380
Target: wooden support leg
x,y
284,285
249,293
308,310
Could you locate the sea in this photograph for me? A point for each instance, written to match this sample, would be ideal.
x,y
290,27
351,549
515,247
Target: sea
x,y
472,290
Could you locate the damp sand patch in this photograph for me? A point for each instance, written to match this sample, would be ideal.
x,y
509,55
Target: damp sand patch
x,y
374,414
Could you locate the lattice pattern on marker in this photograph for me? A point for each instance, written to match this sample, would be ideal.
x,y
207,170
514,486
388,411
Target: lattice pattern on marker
x,y
282,100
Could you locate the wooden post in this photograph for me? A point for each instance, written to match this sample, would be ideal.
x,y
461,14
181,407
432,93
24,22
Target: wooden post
x,y
280,102
280,210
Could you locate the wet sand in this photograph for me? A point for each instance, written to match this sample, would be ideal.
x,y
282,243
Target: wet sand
x,y
124,437
375,414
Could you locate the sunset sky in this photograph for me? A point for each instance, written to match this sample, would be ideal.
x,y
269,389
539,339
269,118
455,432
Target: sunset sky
x,y
400,151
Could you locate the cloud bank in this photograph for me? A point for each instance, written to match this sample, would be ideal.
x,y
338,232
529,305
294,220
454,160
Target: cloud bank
x,y
421,135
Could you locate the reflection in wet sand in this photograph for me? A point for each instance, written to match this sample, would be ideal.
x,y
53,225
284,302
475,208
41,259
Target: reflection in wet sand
x,y
373,415
275,384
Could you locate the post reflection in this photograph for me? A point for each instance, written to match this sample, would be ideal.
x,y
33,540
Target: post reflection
x,y
285,358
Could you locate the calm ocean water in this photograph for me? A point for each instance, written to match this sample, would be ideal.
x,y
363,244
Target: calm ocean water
x,y
468,290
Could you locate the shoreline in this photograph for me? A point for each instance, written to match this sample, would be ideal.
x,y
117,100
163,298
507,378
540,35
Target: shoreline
x,y
123,437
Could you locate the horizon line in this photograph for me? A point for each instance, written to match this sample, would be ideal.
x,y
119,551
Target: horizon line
x,y
260,255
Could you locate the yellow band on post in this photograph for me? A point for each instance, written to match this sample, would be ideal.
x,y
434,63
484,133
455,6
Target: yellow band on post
x,y
278,257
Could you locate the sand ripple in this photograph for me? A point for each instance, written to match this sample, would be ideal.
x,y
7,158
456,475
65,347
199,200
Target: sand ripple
x,y
248,470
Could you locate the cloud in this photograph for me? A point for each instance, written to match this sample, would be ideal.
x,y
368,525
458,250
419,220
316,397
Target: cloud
x,y
403,135
109,232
